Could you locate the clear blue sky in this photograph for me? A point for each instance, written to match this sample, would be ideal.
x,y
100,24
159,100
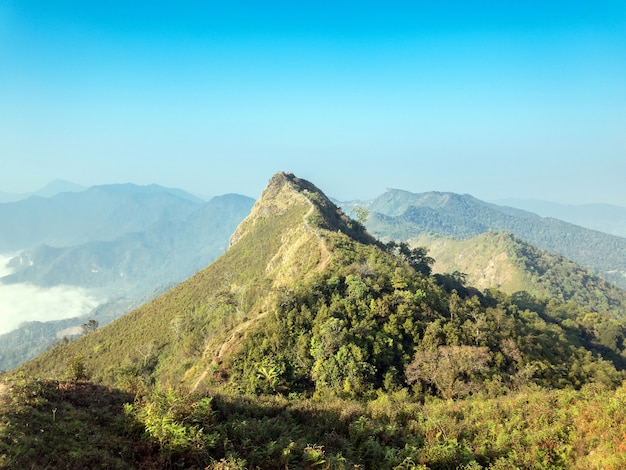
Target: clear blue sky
x,y
496,99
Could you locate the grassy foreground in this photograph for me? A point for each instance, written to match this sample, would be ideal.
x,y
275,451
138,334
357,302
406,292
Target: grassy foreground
x,y
73,425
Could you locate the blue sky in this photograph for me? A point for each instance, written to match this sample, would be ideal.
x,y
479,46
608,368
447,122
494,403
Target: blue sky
x,y
496,99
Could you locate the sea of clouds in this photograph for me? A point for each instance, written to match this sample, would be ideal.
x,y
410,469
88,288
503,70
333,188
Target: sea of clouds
x,y
25,302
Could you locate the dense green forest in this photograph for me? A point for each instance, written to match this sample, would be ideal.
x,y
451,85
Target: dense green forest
x,y
310,344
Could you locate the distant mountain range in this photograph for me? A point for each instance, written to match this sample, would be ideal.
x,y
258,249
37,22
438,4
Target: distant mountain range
x,y
124,243
51,189
401,215
100,213
602,217
178,243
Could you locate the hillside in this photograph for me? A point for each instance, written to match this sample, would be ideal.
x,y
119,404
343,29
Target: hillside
x,y
401,215
502,261
310,344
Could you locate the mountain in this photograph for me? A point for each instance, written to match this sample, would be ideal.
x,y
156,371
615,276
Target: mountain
x,y
124,272
272,248
311,344
402,215
499,260
58,186
303,290
101,213
605,218
53,188
134,262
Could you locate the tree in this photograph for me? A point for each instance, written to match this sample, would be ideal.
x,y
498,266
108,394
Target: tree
x,y
77,370
449,368
417,258
362,213
91,325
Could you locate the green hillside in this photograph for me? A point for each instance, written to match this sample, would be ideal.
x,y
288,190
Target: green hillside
x,y
309,344
502,261
401,215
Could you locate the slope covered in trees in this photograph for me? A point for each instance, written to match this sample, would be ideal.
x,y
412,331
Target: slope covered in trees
x,y
502,261
309,343
401,215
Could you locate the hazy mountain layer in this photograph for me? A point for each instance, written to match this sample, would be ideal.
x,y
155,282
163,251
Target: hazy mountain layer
x,y
53,188
100,213
133,263
605,218
402,215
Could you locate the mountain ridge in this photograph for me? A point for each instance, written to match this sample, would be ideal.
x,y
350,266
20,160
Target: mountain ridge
x,y
401,215
99,213
52,188
607,218
279,251
231,320
274,356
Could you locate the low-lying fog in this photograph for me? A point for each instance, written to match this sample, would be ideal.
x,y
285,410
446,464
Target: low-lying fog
x,y
26,302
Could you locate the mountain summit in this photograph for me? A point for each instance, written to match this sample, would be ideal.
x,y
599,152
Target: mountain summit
x,y
295,211
306,301
282,242
229,366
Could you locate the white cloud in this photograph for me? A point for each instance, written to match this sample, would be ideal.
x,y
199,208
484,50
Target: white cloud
x,y
4,268
26,302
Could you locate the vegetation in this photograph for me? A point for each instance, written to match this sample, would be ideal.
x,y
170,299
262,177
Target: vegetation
x,y
401,215
310,344
502,261
49,424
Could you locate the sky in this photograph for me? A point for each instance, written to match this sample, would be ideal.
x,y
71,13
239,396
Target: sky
x,y
492,98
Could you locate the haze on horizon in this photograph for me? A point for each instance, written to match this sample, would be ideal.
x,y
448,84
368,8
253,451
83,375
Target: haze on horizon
x,y
524,100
